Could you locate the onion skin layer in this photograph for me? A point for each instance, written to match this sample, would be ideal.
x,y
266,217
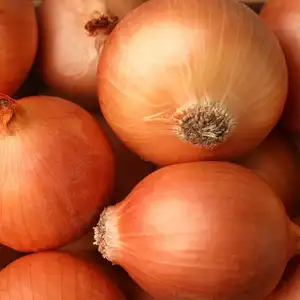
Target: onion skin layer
x,y
19,40
283,18
55,275
276,160
200,231
56,173
186,61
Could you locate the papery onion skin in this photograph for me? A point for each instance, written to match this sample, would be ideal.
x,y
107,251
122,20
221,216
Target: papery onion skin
x,y
56,172
283,18
55,275
206,230
68,56
19,39
276,160
185,61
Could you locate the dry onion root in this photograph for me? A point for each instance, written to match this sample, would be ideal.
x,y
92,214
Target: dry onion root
x,y
68,53
206,78
200,231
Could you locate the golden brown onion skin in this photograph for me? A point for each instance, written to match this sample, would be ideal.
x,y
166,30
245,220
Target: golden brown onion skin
x,y
55,275
19,39
168,55
206,230
56,173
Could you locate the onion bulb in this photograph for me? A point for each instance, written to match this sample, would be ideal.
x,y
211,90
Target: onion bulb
x,y
130,168
56,172
206,78
283,18
276,161
200,231
18,34
55,275
68,57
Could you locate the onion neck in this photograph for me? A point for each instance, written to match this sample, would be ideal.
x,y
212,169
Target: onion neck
x,y
7,113
106,234
206,124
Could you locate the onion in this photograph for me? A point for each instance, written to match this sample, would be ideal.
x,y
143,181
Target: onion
x,y
8,255
131,169
56,172
206,78
283,17
200,231
68,57
54,275
18,34
276,161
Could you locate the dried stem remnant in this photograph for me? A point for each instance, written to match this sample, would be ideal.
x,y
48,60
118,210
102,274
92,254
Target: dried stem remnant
x,y
102,25
7,111
204,124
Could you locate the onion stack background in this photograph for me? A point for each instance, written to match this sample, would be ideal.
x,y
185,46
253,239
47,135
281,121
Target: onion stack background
x,y
62,163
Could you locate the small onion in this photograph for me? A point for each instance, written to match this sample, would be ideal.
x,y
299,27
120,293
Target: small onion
x,y
19,36
56,172
276,160
68,57
283,17
200,231
55,275
130,168
182,81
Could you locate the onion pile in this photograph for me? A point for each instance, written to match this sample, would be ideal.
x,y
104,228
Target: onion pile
x,y
68,54
56,173
195,76
283,17
18,34
54,275
184,186
200,231
276,161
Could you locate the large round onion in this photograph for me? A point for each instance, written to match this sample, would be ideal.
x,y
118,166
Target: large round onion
x,y
68,56
18,35
56,172
203,230
186,80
